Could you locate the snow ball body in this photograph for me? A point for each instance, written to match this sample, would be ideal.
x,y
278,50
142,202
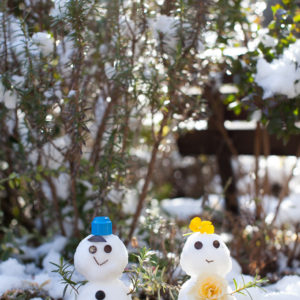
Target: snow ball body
x,y
106,290
101,258
205,253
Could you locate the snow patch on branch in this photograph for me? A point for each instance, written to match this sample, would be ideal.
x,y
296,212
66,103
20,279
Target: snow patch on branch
x,y
8,97
54,151
281,76
165,32
44,42
59,9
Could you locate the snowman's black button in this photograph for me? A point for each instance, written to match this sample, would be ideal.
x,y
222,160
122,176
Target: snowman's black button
x,y
100,295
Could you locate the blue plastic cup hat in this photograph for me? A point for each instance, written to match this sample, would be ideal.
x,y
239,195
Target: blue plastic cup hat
x,y
101,226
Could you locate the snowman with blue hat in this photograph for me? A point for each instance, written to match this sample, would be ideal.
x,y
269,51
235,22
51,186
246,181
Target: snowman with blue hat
x,y
101,258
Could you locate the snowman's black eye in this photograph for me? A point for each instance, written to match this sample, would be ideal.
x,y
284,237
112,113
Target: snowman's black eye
x,y
100,295
107,248
93,249
216,244
198,245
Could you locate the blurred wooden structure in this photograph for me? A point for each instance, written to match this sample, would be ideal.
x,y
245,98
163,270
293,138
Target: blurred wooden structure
x,y
208,141
224,144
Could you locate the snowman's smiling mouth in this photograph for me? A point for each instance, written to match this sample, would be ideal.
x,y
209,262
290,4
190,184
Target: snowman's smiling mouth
x,y
209,261
100,264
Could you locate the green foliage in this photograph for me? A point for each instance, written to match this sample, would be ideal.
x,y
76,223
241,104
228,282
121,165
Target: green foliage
x,y
8,246
284,117
147,277
279,114
27,294
243,289
114,86
65,270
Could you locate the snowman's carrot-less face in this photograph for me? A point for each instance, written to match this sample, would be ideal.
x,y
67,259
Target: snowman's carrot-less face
x,y
205,253
101,257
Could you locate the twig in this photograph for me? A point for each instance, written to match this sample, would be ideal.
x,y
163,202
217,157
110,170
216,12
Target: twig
x,y
257,147
245,286
296,244
101,129
56,204
149,175
284,190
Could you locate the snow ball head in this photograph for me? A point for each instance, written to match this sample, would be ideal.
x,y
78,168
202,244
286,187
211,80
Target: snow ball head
x,y
101,257
205,253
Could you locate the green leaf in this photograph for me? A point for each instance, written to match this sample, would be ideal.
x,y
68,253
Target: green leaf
x,y
296,18
235,283
275,8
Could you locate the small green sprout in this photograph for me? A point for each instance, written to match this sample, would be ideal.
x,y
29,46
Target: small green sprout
x,y
243,289
65,271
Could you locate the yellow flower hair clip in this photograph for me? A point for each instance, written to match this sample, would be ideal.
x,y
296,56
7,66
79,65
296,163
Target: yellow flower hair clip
x,y
197,225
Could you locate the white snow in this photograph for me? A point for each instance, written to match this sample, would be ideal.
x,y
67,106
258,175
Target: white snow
x,y
57,245
266,39
256,293
289,284
65,50
18,80
281,296
10,282
14,275
128,198
53,152
59,9
8,97
289,211
12,267
183,208
128,27
282,75
99,110
51,257
14,31
286,288
235,51
165,32
110,71
62,186
44,41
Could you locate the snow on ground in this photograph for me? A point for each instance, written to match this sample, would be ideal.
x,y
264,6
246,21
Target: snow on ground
x,y
15,275
285,289
278,170
289,211
183,208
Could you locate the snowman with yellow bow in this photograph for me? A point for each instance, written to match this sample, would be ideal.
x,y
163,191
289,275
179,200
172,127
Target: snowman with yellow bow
x,y
206,258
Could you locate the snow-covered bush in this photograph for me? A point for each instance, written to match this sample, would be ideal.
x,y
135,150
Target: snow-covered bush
x,y
84,85
94,93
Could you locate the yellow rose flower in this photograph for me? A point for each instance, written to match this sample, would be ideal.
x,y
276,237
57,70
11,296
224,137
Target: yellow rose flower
x,y
197,225
210,287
